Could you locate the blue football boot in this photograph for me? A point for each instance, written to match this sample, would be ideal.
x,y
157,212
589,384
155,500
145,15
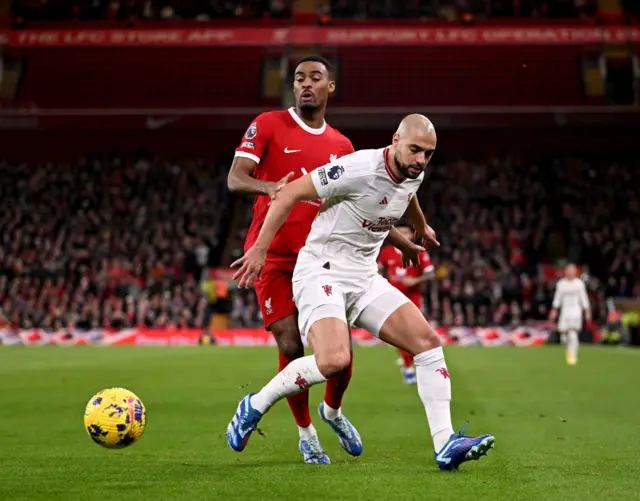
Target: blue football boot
x,y
460,449
312,451
348,436
409,375
244,423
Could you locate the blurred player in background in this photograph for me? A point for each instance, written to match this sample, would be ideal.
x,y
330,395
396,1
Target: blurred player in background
x,y
409,281
336,284
572,300
280,146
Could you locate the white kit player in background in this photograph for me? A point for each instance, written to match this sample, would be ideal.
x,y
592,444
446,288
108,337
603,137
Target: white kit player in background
x,y
336,285
572,300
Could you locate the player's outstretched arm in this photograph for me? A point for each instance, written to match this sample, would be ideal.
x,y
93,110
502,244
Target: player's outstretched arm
x,y
252,262
557,297
414,211
241,180
423,230
281,207
586,305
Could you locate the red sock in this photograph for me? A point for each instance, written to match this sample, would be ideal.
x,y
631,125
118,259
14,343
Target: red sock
x,y
299,403
407,358
337,385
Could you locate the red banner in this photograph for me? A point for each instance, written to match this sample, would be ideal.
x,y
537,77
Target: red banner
x,y
465,336
331,36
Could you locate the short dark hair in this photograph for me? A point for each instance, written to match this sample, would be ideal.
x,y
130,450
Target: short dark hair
x,y
315,59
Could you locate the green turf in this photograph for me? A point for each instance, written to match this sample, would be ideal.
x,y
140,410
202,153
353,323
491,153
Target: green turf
x,y
566,433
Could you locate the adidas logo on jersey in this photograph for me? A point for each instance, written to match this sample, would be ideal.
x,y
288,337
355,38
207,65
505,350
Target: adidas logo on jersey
x,y
384,201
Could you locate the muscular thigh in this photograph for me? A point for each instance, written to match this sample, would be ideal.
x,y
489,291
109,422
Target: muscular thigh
x,y
321,303
376,301
328,336
279,312
397,321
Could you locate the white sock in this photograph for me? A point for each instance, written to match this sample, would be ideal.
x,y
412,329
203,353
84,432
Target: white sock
x,y
306,433
572,344
294,378
330,412
434,388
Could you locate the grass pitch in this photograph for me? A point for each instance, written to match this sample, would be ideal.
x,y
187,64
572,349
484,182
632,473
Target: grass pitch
x,y
562,433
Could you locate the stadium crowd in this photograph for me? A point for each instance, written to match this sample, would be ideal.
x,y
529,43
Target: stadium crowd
x,y
110,242
453,9
204,10
147,10
498,221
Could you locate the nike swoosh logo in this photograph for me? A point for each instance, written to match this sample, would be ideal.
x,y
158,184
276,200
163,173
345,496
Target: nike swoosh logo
x,y
158,123
287,150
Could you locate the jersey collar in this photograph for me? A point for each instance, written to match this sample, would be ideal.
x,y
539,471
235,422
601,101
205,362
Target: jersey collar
x,y
387,167
304,126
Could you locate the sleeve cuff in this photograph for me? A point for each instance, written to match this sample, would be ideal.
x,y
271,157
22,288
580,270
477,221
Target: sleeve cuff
x,y
250,156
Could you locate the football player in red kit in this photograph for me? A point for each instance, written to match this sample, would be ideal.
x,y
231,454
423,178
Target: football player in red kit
x,y
409,281
278,147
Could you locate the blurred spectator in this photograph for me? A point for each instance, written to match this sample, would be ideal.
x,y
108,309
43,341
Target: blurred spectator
x,y
245,311
456,9
132,10
498,221
116,243
633,7
108,243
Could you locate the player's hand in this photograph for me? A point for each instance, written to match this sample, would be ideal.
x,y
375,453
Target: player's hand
x,y
587,316
410,281
553,315
276,187
427,235
411,255
251,265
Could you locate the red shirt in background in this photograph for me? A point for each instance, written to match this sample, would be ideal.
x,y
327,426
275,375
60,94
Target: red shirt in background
x,y
391,260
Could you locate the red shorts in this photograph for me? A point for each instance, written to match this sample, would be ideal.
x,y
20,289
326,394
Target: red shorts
x,y
274,292
417,300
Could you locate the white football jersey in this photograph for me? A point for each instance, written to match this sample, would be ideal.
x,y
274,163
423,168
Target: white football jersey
x,y
363,201
571,297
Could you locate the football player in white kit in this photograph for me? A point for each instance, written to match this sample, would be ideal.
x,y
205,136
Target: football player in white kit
x,y
336,284
572,300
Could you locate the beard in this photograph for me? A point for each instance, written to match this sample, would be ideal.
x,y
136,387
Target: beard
x,y
404,168
308,106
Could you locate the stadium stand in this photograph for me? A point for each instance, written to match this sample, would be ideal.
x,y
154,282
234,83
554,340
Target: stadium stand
x,y
25,11
116,242
500,221
109,242
454,9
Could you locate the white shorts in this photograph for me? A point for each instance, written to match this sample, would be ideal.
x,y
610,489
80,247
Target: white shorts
x,y
571,323
366,304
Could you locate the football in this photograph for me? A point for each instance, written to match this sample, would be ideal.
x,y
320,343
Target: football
x,y
115,418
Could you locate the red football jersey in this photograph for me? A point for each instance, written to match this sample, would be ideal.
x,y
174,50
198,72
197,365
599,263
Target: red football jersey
x,y
391,259
280,142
